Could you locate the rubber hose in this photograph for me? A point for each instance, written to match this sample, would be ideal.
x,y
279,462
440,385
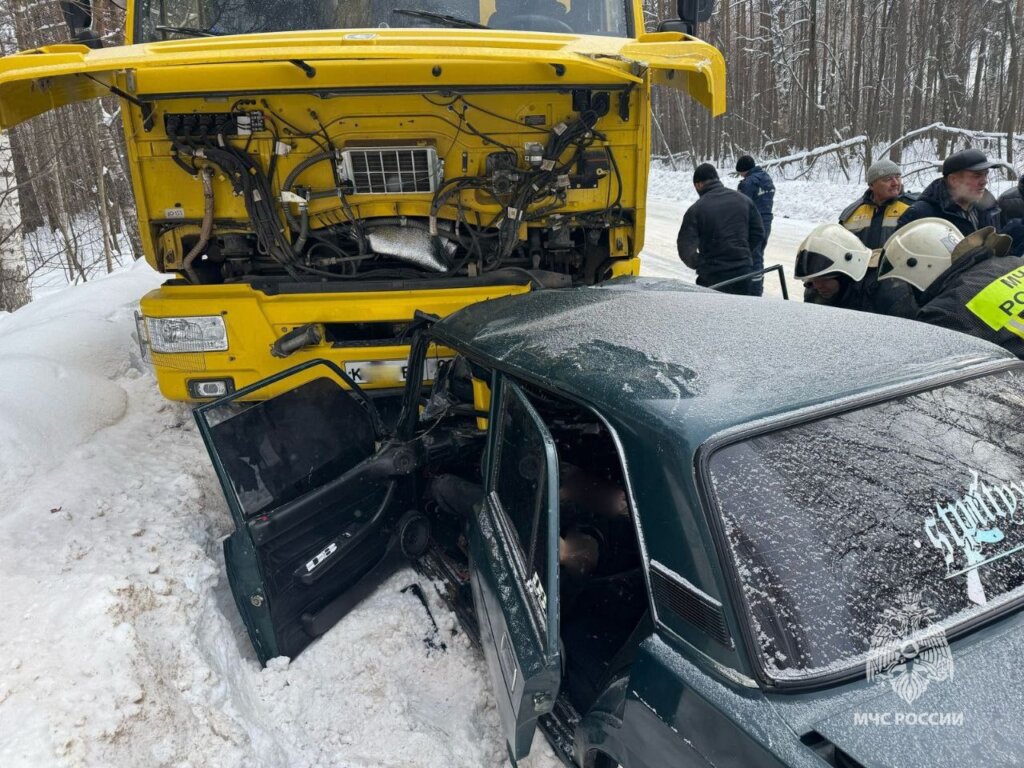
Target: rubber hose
x,y
206,176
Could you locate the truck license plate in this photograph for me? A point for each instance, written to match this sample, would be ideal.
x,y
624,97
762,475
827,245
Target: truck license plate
x,y
391,371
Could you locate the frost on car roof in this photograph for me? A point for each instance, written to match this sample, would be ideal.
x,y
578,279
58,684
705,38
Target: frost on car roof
x,y
697,361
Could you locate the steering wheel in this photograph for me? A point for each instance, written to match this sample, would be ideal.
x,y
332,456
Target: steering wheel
x,y
535,22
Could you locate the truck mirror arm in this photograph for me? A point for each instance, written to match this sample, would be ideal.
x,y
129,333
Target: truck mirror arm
x,y
78,17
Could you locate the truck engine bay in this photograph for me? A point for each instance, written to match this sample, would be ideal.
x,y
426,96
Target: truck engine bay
x,y
413,186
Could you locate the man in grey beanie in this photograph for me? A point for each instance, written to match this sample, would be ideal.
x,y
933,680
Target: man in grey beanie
x,y
872,218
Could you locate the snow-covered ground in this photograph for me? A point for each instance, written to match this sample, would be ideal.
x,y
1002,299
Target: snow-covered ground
x,y
799,207
121,644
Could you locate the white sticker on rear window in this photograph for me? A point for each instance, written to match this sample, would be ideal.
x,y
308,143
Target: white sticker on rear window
x,y
970,531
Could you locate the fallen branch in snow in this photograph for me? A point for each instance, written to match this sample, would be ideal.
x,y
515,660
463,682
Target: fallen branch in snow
x,y
940,132
811,155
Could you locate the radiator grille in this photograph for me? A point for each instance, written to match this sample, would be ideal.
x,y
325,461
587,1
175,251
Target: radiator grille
x,y
676,596
391,170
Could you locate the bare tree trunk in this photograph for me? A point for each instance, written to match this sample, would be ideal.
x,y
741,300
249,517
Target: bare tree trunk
x,y
1015,23
14,288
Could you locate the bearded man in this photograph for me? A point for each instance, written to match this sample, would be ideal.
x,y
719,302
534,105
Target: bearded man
x,y
959,196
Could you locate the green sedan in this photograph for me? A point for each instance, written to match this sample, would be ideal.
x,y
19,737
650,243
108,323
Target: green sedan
x,y
685,528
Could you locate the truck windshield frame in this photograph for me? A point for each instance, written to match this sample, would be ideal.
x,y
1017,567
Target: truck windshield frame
x,y
862,529
193,18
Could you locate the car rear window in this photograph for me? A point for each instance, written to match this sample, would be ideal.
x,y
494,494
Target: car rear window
x,y
897,519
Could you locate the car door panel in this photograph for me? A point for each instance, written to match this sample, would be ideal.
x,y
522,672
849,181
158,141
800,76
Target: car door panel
x,y
316,504
290,446
365,480
516,598
513,644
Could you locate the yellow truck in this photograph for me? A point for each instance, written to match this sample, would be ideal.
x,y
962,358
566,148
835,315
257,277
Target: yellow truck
x,y
311,173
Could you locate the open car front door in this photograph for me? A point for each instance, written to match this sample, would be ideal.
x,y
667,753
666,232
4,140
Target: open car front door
x,y
319,505
513,545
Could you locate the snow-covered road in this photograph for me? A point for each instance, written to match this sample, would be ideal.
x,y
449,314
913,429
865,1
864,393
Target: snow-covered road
x,y
660,258
121,644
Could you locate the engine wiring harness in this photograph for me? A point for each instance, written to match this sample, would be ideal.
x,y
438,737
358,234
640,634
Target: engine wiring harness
x,y
528,186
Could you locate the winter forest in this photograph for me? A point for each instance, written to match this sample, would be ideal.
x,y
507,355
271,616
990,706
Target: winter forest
x,y
806,79
810,73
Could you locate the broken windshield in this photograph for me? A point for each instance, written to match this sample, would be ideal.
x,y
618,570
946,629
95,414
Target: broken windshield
x,y
175,19
899,519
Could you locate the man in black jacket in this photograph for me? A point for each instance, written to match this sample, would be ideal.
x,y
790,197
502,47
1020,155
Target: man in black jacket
x,y
719,234
959,196
969,285
1011,202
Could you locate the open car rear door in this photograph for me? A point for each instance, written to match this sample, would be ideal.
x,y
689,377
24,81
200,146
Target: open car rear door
x,y
316,502
514,566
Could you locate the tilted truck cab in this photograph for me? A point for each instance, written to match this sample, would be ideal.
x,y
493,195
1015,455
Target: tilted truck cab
x,y
309,175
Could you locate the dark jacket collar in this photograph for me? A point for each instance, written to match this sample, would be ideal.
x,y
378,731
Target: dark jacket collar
x,y
870,200
709,186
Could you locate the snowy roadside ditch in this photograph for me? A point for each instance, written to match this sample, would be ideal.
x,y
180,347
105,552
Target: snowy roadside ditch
x,y
122,645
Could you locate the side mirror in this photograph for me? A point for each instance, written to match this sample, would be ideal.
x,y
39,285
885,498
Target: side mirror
x,y
690,13
675,25
693,11
78,17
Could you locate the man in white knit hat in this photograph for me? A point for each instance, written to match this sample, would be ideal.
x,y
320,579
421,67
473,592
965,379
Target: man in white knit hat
x,y
872,218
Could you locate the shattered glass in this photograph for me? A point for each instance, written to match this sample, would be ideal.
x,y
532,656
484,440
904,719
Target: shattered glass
x,y
277,450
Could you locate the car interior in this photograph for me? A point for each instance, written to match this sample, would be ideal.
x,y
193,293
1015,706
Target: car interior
x,y
603,601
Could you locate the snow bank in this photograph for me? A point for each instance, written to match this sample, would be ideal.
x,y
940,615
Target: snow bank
x,y
59,357
121,643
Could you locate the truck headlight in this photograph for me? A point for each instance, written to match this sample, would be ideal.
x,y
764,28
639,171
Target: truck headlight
x,y
187,334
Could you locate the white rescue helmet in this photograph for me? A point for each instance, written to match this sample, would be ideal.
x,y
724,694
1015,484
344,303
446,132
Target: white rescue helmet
x,y
919,252
831,249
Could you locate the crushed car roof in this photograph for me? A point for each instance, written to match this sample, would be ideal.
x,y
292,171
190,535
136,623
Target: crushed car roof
x,y
696,361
